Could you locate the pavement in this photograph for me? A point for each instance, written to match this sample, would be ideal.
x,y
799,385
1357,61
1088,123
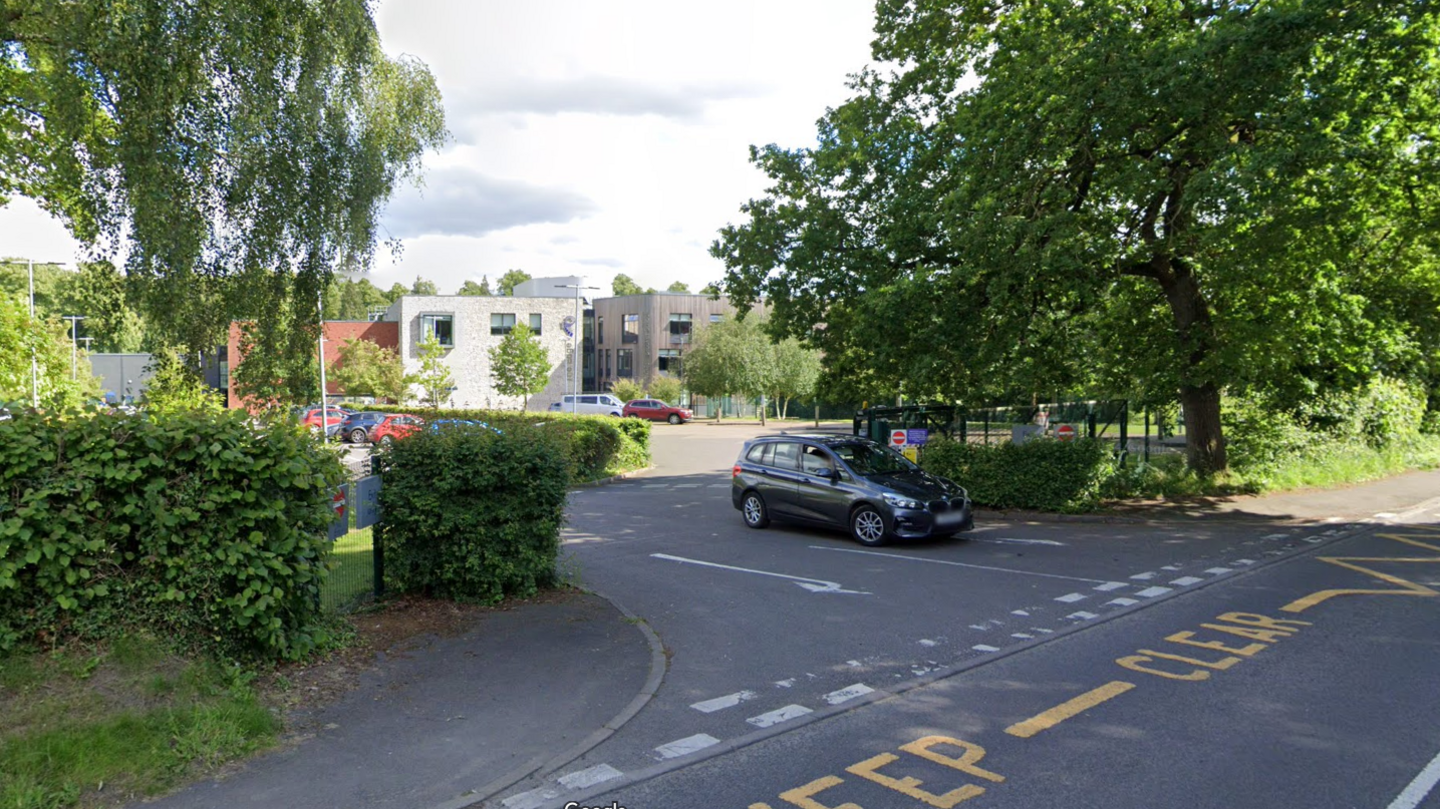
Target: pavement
x,y
453,721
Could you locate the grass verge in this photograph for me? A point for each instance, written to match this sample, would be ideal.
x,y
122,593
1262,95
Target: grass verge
x,y
106,725
352,570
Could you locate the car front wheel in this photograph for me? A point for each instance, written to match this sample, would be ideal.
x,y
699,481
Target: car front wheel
x,y
867,526
753,507
674,418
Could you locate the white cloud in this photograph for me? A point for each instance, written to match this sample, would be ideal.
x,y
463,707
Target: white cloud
x,y
460,201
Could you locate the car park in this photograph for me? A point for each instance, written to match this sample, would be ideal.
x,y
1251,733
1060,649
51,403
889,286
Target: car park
x,y
393,426
589,404
846,482
656,410
446,424
356,427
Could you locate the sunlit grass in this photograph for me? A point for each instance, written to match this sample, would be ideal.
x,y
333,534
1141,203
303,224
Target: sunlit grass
x,y
352,565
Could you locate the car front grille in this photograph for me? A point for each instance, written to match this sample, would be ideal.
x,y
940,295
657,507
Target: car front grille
x,y
942,506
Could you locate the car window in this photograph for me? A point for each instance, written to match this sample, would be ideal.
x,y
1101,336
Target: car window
x,y
785,454
815,458
873,459
589,400
755,453
610,400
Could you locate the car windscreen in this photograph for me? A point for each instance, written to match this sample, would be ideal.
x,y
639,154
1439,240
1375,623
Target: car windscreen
x,y
872,459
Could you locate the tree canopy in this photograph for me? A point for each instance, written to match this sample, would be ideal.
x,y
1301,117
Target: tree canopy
x,y
1166,201
481,289
236,152
364,368
624,285
519,365
507,282
678,286
424,286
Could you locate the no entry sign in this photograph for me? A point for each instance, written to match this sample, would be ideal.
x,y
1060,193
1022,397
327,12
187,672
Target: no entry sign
x,y
1065,432
897,438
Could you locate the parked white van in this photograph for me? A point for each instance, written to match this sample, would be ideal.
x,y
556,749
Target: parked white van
x,y
590,404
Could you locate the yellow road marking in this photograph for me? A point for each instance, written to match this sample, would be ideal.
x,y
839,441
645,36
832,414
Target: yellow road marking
x,y
1065,710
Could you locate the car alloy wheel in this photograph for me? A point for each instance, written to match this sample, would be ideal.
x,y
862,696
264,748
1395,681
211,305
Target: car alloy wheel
x,y
674,418
357,436
753,507
867,526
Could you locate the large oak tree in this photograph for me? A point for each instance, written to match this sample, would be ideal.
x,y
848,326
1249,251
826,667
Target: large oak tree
x,y
1167,199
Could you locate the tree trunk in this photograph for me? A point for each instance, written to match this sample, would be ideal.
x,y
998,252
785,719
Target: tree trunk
x,y
1199,396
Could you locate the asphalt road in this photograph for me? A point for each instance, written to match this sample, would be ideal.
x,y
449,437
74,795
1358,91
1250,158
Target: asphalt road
x,y
918,657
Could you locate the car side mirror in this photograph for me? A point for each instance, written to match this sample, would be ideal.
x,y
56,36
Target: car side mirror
x,y
825,472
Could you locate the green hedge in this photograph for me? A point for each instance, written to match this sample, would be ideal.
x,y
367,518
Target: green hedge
x,y
197,525
594,444
472,515
1041,474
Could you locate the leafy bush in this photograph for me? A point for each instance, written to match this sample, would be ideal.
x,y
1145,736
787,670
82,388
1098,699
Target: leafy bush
x,y
1040,474
473,515
194,524
667,389
595,445
626,390
637,430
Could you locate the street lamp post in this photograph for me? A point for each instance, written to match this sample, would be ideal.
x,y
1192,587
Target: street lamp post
x,y
74,341
579,332
324,410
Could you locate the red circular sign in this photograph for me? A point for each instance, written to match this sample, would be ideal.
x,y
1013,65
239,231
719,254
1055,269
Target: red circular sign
x,y
1065,432
897,438
338,503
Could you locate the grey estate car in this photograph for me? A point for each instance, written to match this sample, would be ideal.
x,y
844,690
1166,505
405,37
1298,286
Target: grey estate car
x,y
845,482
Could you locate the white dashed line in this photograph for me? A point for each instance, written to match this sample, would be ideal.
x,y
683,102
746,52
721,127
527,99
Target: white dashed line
x,y
687,485
1171,568
928,642
1275,536
1149,574
1082,616
981,627
983,648
854,664
1020,612
1151,592
1021,636
685,746
1243,562
1186,581
1071,598
847,693
582,779
654,485
719,485
720,703
1416,790
1124,602
1111,585
1219,571
779,715
534,799
1314,540
785,683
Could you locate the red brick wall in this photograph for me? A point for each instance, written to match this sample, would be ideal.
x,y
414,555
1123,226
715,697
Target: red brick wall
x,y
382,333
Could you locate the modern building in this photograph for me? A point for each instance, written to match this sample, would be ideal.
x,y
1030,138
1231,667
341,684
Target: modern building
x,y
468,326
641,337
123,377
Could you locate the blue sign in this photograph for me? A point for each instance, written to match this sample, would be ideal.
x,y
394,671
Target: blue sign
x,y
916,436
367,501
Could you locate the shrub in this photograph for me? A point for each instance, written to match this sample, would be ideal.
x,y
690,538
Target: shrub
x,y
195,524
625,390
471,515
594,444
667,389
1040,474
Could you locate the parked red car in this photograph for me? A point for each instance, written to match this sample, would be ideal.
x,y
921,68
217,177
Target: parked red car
x,y
394,426
333,416
656,410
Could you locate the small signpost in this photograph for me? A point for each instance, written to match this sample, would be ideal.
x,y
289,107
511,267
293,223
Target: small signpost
x,y
340,524
898,437
1065,432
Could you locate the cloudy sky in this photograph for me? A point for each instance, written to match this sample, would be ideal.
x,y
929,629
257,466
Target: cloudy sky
x,y
589,137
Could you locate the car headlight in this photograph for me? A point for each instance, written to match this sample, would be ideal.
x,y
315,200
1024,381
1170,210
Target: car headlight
x,y
902,502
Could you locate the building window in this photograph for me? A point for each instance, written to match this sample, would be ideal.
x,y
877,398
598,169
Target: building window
x,y
679,329
607,363
600,330
625,362
716,318
224,375
670,361
441,327
631,332
501,324
535,325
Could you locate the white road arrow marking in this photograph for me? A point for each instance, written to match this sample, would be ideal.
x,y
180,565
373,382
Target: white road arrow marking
x,y
813,585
